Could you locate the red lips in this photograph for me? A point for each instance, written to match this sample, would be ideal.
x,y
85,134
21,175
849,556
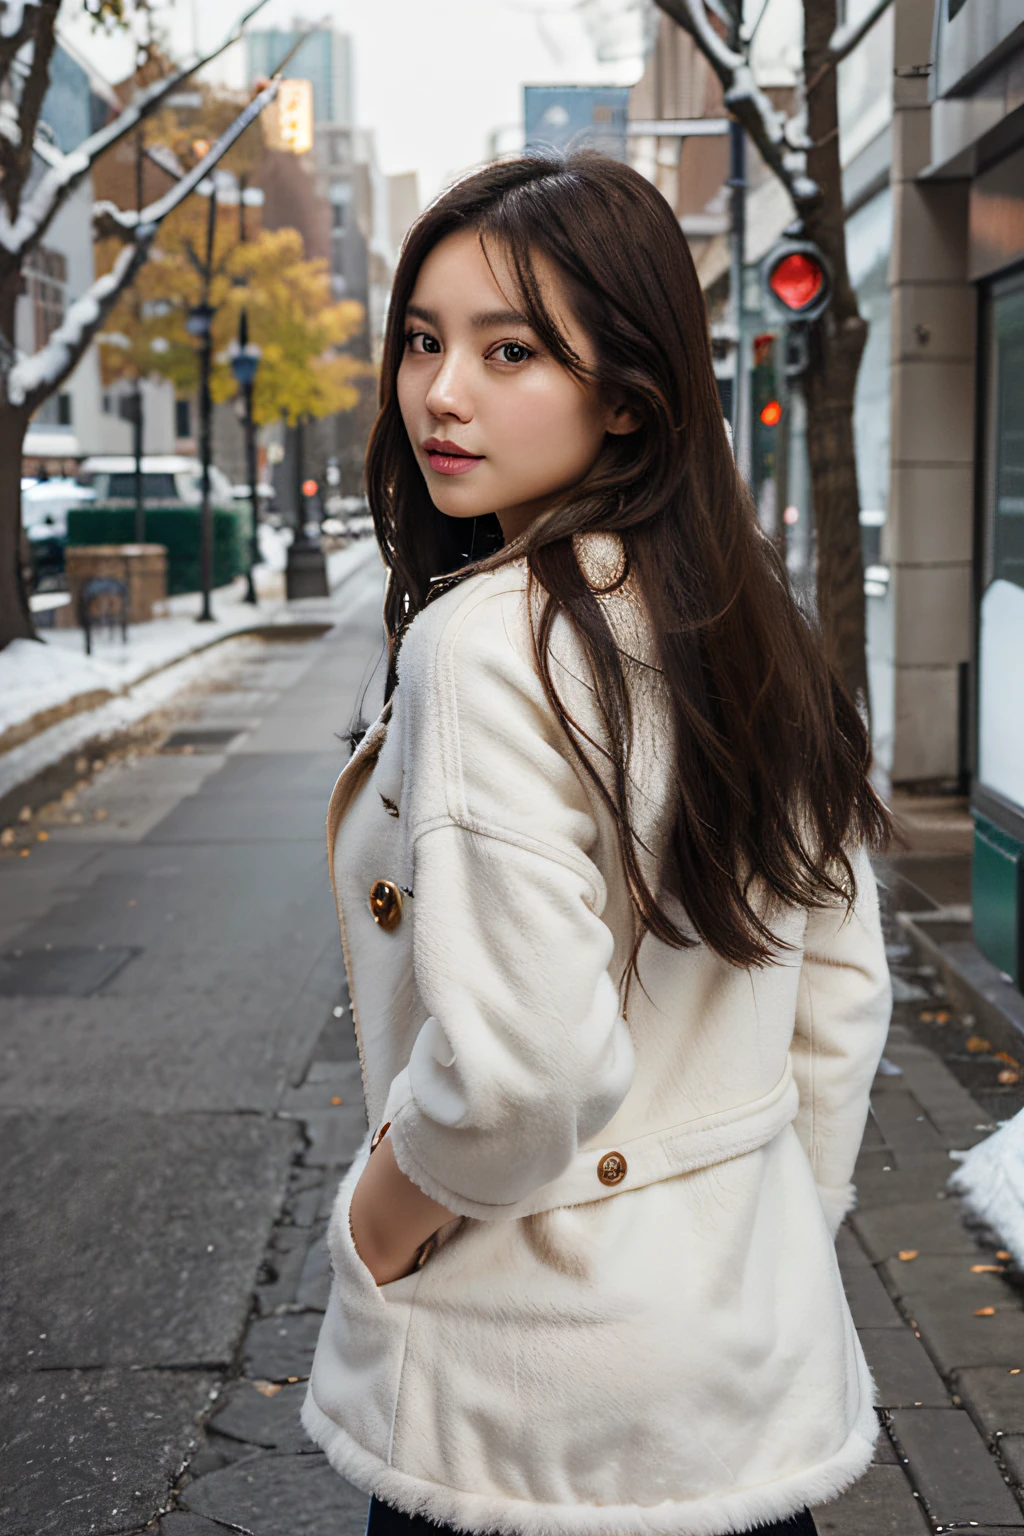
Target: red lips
x,y
448,458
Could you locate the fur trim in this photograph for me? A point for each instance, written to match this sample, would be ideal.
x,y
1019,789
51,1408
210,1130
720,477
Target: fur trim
x,y
837,1204
476,1512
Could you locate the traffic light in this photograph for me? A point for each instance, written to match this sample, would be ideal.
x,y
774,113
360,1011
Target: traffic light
x,y
797,280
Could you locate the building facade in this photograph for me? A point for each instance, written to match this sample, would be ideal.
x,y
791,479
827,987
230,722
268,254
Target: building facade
x,y
931,109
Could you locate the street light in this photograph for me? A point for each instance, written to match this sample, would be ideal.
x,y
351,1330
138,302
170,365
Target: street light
x,y
245,359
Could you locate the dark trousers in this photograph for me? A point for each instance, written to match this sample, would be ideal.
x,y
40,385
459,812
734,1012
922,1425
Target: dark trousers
x,y
385,1521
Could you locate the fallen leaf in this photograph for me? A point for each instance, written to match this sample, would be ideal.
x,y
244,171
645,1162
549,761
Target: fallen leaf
x,y
977,1045
101,814
6,837
906,1254
1003,1253
24,853
25,814
985,1312
927,1017
267,1388
1008,1077
1015,1371
42,837
988,1269
1011,1061
293,1378
942,1018
81,765
336,1100
98,765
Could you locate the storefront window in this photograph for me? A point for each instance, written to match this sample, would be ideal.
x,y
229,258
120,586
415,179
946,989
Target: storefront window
x,y
1001,638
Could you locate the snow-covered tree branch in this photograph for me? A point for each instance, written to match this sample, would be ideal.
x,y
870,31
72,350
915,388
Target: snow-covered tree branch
x,y
23,224
32,379
746,101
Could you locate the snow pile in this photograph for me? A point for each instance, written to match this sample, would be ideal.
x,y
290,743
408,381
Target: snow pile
x,y
991,1180
34,677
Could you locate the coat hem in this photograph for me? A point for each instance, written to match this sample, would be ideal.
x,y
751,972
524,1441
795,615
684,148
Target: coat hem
x,y
737,1512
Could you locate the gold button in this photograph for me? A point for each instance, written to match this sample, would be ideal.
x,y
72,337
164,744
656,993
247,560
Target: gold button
x,y
612,1168
386,904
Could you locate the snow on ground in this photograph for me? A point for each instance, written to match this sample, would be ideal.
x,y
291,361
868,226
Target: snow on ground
x,y
36,677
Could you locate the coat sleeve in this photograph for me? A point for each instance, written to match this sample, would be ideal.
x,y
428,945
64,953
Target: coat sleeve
x,y
842,1019
524,1054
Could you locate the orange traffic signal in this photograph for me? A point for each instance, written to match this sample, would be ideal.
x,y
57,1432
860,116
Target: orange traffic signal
x,y
771,413
309,487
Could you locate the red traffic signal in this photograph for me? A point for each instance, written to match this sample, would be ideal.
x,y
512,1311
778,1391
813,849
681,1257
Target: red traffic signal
x,y
309,487
771,413
796,276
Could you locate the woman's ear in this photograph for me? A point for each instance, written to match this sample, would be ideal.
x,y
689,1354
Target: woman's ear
x,y
619,420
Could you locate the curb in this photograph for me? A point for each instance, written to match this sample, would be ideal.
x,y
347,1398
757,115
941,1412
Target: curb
x,y
291,629
974,983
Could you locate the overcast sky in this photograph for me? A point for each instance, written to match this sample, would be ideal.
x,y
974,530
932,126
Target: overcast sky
x,y
433,78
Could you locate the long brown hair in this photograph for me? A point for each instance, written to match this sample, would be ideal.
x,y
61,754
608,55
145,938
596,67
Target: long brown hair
x,y
772,756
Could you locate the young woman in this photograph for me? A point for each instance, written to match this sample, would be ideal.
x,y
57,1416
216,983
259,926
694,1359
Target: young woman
x,y
610,927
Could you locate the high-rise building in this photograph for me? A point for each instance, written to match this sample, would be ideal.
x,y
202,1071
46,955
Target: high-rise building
x,y
324,57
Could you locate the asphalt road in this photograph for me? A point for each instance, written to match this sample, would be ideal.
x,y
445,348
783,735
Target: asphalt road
x,y
173,1035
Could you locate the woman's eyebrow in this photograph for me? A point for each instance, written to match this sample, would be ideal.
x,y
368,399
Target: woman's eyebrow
x,y
479,321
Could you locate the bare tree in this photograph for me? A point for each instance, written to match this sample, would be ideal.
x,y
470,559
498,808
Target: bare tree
x,y
805,159
36,180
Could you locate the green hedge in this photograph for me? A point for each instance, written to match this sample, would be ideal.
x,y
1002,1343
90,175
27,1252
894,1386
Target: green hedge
x,y
178,529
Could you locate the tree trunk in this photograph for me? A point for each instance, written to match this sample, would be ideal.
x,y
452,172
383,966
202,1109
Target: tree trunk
x,y
837,344
15,617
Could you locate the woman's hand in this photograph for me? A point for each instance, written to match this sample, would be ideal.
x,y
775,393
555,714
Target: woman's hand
x,y
390,1216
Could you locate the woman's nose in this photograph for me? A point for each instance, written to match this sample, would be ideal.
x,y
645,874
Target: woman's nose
x,y
449,393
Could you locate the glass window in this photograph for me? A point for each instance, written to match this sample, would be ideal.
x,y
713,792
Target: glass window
x,y
1001,629
156,486
1007,438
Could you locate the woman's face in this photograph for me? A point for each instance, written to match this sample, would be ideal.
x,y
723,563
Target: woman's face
x,y
496,424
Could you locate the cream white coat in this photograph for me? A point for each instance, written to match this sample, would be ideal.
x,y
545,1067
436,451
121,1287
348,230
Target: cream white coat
x,y
670,1354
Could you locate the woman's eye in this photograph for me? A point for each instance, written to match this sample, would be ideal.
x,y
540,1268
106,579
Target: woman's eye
x,y
422,341
512,352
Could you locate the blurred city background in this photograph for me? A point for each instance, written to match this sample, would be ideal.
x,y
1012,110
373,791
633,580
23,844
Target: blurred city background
x,y
201,211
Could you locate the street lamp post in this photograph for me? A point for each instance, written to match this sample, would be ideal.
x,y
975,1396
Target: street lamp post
x,y
306,571
244,362
200,325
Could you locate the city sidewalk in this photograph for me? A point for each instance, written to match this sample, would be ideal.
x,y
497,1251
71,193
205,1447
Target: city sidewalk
x,y
180,1095
54,698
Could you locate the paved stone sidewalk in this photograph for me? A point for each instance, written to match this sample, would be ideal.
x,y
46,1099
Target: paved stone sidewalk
x,y
938,1307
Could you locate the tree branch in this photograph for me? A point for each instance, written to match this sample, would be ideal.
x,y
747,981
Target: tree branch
x,y
127,223
17,26
33,90
18,235
747,102
32,379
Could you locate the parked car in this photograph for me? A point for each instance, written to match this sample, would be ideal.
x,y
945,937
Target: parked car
x,y
166,479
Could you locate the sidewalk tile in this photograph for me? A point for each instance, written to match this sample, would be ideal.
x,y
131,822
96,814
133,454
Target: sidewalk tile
x,y
280,1496
995,1398
903,1123
904,1375
957,1477
901,1186
880,1504
930,1226
246,1413
277,1348
849,1251
871,1306
1011,1453
944,1298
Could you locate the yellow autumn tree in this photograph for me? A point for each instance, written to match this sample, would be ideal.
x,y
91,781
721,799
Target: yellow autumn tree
x,y
293,318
